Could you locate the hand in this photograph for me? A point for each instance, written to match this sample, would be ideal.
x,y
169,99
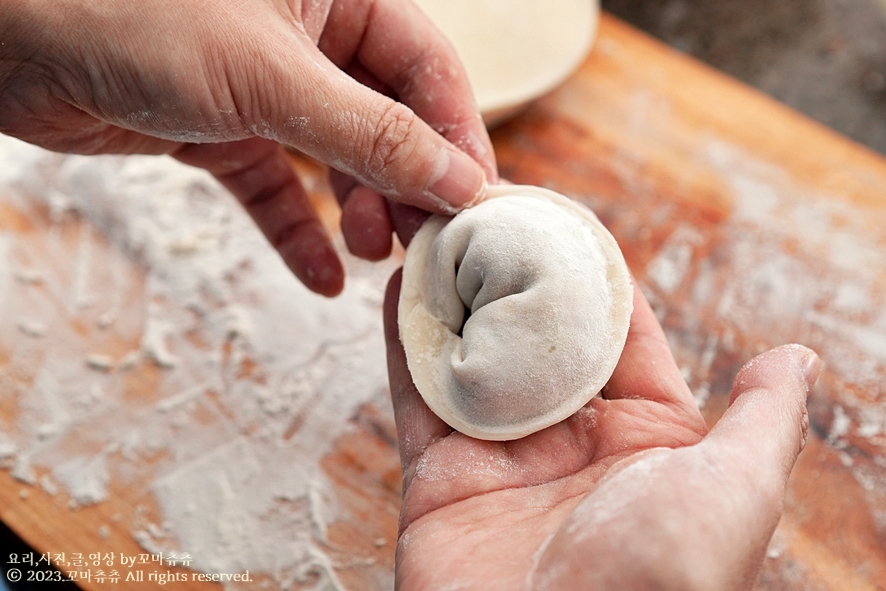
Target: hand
x,y
218,84
632,492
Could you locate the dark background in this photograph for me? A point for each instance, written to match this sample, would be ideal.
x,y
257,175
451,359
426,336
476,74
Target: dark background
x,y
825,58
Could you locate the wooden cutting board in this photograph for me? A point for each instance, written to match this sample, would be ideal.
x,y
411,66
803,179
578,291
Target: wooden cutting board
x,y
747,226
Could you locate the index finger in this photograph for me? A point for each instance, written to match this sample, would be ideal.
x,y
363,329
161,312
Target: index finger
x,y
258,173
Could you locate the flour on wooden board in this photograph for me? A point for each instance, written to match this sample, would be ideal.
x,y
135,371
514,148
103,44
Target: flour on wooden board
x,y
238,487
749,277
790,263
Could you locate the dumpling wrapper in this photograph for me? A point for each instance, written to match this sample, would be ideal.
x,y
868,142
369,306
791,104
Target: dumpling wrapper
x,y
548,300
515,50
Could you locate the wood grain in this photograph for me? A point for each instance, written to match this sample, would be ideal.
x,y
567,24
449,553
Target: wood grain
x,y
746,224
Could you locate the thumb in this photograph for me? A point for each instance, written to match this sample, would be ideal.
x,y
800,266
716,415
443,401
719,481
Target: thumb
x,y
388,148
378,141
765,427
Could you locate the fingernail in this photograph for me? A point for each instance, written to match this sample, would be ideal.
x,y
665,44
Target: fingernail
x,y
811,368
460,181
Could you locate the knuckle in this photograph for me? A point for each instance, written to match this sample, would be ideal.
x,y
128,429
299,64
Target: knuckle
x,y
288,237
394,137
263,195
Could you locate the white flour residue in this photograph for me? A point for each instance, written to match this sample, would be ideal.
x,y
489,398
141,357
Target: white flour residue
x,y
766,197
797,264
669,267
791,262
153,343
7,451
828,292
86,479
6,270
253,379
16,157
839,427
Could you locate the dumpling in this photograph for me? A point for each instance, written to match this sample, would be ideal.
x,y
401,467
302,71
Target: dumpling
x,y
514,313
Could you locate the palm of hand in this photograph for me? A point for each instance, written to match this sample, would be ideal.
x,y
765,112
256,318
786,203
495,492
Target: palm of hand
x,y
631,492
486,508
478,512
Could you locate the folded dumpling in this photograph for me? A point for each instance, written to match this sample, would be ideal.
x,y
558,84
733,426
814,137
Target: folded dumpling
x,y
514,313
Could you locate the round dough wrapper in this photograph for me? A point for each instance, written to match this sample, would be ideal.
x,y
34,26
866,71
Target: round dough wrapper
x,y
514,313
515,50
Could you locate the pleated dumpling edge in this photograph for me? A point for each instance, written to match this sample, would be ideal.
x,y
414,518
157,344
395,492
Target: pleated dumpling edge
x,y
514,313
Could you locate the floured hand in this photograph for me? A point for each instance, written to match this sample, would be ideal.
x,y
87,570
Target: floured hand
x,y
631,492
219,84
